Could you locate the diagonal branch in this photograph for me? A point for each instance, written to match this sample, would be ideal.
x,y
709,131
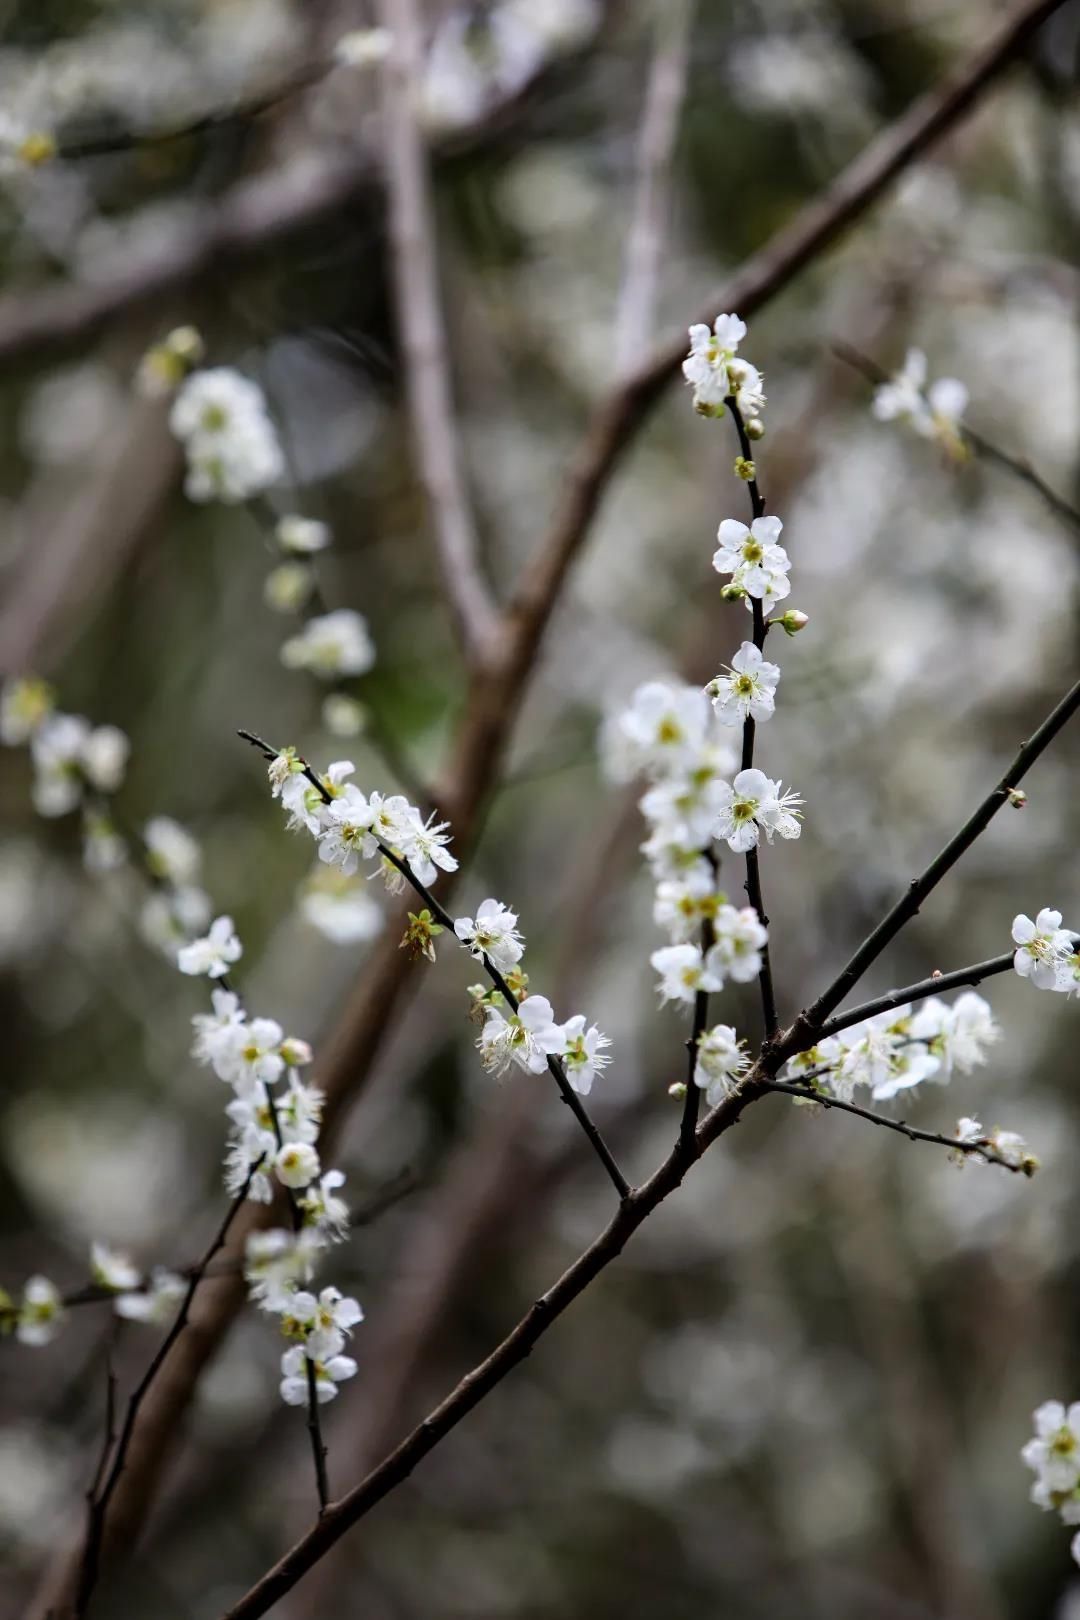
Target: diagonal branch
x,y
423,335
812,1019
937,984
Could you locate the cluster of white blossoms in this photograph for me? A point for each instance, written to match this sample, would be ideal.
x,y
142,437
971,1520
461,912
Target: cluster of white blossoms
x,y
1053,1455
351,827
1047,954
935,412
896,1050
232,447
274,1119
716,371
75,763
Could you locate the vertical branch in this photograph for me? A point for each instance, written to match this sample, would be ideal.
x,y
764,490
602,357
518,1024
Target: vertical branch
x,y
423,336
761,630
656,139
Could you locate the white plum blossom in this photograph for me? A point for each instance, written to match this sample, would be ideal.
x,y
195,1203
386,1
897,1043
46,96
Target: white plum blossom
x,y
1042,947
709,370
747,691
959,1035
878,1053
109,1269
340,908
527,1038
721,1059
662,729
70,756
328,1375
345,834
41,1312
324,1210
753,557
232,446
684,972
934,412
249,1053
296,1164
155,1303
342,715
170,851
682,904
492,932
686,806
584,1054
276,1260
740,938
753,804
331,645
423,845
302,535
324,1322
1053,1455
215,1032
214,953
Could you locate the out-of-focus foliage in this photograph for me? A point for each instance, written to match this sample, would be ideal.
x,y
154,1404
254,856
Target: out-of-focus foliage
x,y
804,1387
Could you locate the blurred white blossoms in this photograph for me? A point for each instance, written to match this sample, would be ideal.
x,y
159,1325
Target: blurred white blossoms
x,y
493,932
715,372
363,47
71,758
753,804
164,366
25,702
747,691
154,1303
721,1059
212,954
1053,1455
302,535
752,556
661,729
40,1313
331,645
340,908
232,447
959,1036
935,412
1009,1146
1046,952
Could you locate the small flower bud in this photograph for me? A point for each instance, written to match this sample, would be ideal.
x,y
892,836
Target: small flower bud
x,y
755,428
744,469
732,592
1017,798
792,621
287,587
715,412
677,1088
517,980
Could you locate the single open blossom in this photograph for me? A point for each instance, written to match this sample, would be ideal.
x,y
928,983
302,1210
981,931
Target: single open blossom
x,y
216,1031
934,412
753,804
213,954
527,1038
251,1052
753,556
155,1303
1042,947
339,907
109,1269
685,805
323,1209
346,834
423,845
170,852
296,1164
960,1035
493,932
684,971
706,367
721,1059
328,1375
682,904
331,645
740,938
1054,1452
747,691
323,1323
584,1055
662,729
40,1312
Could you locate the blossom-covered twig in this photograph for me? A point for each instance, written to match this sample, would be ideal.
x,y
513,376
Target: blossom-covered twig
x,y
956,1144
1019,466
935,985
99,1507
810,1022
446,921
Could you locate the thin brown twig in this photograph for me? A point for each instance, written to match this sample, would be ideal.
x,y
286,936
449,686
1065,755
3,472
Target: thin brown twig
x,y
1019,466
100,1506
423,336
664,93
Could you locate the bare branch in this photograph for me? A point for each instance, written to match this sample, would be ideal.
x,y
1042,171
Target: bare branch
x,y
982,1147
423,335
656,138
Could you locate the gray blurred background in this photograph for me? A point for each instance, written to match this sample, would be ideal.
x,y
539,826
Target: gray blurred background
x,y
803,1388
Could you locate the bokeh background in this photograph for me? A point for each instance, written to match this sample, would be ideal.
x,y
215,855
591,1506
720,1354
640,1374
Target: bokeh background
x,y
803,1388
